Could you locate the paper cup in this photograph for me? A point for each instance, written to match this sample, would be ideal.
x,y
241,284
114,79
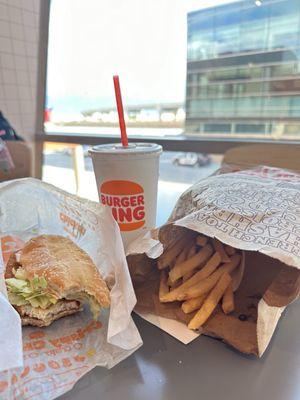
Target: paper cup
x,y
127,180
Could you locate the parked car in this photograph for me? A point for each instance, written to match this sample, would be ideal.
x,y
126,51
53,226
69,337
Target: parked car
x,y
192,160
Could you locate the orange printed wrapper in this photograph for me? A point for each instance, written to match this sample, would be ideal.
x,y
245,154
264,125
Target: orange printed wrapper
x,y
43,363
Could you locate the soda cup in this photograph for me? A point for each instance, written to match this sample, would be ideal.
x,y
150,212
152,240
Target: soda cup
x,y
127,179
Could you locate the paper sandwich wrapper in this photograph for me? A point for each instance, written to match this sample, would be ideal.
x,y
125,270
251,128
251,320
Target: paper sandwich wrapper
x,y
44,363
256,210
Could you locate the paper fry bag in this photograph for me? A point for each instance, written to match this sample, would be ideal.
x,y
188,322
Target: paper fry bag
x,y
255,210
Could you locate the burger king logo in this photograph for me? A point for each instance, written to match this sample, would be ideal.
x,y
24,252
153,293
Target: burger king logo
x,y
127,203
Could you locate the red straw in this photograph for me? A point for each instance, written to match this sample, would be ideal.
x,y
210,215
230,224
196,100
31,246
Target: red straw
x,y
124,138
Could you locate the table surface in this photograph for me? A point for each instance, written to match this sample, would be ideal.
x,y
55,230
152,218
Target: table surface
x,y
165,369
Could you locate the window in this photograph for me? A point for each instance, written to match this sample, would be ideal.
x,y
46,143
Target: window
x,y
145,42
189,70
181,62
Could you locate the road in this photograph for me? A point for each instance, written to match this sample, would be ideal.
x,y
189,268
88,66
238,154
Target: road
x,y
168,171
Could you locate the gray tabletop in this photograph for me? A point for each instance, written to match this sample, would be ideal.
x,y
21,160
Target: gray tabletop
x,y
164,368
206,369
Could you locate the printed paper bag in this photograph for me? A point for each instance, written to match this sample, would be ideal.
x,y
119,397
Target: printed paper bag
x,y
255,210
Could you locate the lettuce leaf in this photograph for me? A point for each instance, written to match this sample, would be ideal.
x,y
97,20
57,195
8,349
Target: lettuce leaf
x,y
24,291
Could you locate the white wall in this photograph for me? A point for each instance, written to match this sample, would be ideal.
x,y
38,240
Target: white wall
x,y
19,34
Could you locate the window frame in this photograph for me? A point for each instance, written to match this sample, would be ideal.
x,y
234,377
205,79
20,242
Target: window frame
x,y
188,143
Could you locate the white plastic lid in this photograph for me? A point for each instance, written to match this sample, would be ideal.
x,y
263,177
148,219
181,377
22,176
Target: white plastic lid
x,y
132,148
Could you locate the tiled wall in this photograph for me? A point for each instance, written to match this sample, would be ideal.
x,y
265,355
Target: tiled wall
x,y
19,33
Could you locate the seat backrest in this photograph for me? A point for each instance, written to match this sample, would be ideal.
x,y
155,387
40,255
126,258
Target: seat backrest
x,y
21,155
274,155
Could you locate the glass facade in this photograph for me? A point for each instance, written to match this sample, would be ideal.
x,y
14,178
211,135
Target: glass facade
x,y
243,70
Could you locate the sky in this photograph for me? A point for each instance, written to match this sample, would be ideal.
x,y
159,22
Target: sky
x,y
143,41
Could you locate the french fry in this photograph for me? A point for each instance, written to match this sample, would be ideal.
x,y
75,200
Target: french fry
x,y
210,303
201,240
205,285
172,295
181,257
234,261
230,250
220,249
172,252
181,269
195,279
163,286
172,263
176,284
228,300
211,265
191,252
232,264
188,276
202,287
193,304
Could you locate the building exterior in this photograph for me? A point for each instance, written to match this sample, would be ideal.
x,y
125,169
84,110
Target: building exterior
x,y
243,69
